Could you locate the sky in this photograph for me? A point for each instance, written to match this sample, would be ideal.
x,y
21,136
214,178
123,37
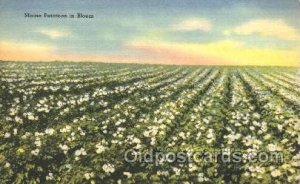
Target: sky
x,y
183,32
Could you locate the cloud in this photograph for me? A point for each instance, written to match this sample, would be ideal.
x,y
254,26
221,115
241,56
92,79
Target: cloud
x,y
267,27
53,33
226,52
193,24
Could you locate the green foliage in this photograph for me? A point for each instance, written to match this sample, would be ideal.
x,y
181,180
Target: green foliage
x,y
74,123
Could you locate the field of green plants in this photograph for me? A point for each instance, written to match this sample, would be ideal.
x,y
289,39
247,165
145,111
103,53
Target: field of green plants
x,y
74,122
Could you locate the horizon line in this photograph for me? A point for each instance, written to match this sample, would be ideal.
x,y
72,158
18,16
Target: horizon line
x,y
166,64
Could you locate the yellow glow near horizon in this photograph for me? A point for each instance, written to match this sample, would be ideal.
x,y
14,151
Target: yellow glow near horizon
x,y
227,52
24,51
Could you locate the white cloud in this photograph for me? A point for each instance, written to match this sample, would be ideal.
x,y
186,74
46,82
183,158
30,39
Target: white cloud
x,y
277,28
53,33
193,24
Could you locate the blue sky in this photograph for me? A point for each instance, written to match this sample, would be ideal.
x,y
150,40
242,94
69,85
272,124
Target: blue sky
x,y
134,30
